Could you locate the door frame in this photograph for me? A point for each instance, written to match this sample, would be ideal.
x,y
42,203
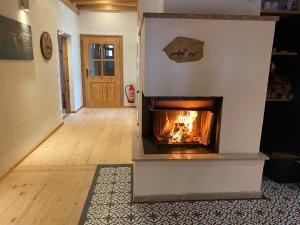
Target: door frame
x,y
82,36
65,52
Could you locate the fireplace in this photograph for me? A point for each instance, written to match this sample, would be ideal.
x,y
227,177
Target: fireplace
x,y
181,124
204,145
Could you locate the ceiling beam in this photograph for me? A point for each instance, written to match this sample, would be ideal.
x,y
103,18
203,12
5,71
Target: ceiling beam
x,y
71,5
95,3
104,5
107,8
104,1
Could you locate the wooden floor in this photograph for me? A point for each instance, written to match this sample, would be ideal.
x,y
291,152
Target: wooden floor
x,y
50,186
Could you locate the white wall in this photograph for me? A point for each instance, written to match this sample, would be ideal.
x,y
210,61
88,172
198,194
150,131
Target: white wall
x,y
68,23
234,7
235,65
150,6
29,90
124,24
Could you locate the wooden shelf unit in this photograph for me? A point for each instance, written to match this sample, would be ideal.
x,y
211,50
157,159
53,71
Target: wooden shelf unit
x,y
284,53
279,100
280,12
279,138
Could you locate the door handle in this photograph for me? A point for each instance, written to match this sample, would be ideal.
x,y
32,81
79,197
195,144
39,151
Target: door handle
x,y
87,73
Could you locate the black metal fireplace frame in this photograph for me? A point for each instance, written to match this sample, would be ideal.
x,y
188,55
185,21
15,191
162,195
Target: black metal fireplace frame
x,y
148,110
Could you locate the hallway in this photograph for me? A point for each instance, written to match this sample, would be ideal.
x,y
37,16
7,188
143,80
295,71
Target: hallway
x,y
89,137
51,184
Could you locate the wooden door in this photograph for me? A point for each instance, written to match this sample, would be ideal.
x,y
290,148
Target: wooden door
x,y
64,73
65,61
102,70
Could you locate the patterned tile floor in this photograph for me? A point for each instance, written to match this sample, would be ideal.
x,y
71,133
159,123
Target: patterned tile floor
x,y
109,202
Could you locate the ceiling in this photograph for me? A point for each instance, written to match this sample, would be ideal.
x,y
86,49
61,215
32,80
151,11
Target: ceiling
x,y
105,5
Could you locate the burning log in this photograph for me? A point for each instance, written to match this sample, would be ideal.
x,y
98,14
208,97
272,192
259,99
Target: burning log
x,y
185,127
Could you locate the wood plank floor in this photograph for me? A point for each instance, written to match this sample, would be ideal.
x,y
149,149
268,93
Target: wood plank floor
x,y
50,186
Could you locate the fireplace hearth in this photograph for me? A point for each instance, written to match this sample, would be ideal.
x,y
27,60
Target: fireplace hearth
x,y
181,124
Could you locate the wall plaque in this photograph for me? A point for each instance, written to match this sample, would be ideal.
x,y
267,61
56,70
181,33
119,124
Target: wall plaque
x,y
46,45
15,40
183,49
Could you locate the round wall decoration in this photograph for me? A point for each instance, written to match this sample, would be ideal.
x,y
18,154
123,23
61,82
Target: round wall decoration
x,y
46,45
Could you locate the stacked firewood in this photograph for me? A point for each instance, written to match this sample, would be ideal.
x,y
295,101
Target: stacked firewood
x,y
279,87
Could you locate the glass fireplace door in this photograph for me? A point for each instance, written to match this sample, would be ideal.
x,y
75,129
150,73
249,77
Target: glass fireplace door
x,y
178,124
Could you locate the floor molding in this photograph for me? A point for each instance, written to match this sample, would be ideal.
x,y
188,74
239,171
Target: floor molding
x,y
66,115
3,175
76,111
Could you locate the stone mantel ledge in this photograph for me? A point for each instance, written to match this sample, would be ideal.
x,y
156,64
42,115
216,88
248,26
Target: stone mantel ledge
x,y
209,17
138,154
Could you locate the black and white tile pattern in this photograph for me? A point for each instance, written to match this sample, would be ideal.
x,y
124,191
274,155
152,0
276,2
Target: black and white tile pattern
x,y
110,202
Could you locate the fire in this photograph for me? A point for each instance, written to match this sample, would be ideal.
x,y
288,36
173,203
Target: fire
x,y
180,130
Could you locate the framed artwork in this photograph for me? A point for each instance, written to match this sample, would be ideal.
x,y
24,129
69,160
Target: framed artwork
x,y
15,40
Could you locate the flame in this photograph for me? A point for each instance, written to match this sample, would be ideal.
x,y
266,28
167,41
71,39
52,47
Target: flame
x,y
181,128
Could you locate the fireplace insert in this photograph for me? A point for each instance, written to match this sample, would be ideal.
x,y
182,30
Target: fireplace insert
x,y
181,124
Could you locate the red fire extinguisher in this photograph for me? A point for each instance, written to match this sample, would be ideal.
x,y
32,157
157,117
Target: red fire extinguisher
x,y
129,91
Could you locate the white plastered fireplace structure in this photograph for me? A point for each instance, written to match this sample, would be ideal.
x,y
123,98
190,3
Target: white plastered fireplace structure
x,y
235,66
